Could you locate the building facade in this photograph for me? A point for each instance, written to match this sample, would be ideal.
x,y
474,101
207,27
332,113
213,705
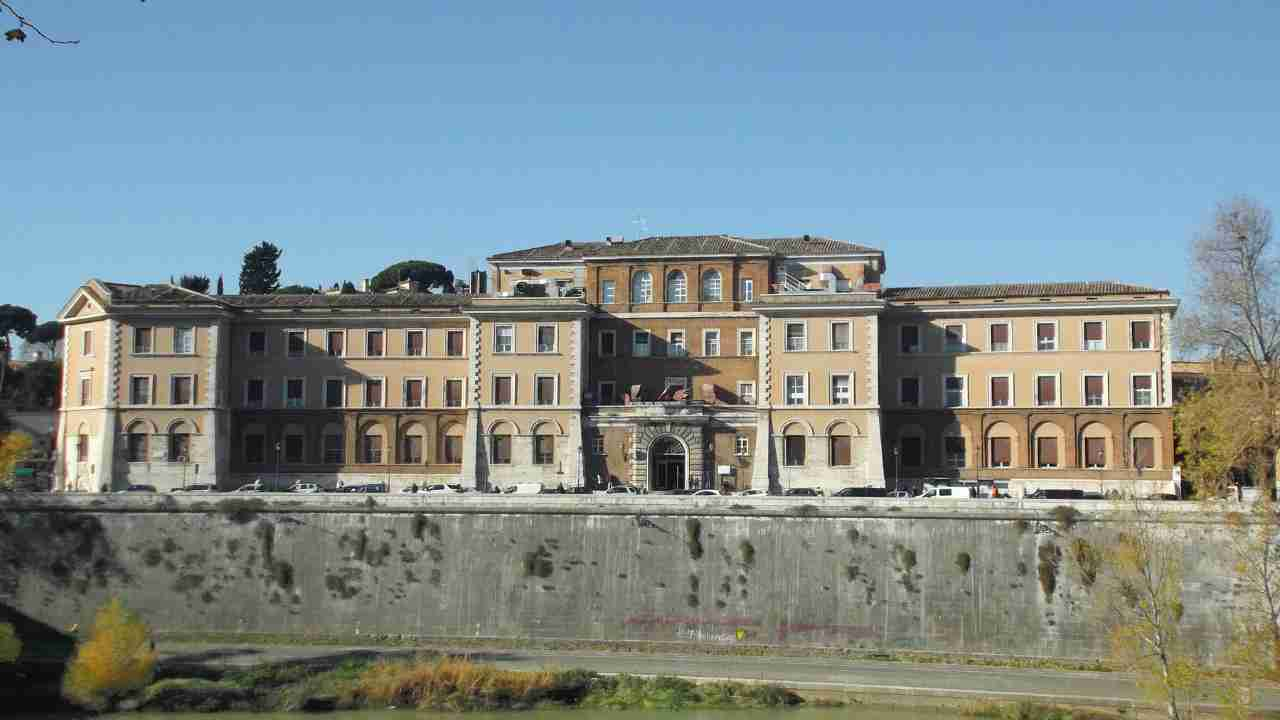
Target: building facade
x,y
672,362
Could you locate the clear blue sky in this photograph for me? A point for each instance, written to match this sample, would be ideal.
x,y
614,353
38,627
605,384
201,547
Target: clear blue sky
x,y
973,142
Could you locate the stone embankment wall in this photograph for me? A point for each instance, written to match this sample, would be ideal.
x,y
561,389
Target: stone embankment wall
x,y
989,577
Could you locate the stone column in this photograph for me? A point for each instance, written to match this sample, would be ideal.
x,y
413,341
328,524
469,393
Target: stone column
x,y
470,449
762,474
873,468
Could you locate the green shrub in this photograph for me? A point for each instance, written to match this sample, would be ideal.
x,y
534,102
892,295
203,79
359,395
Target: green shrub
x,y
10,645
963,561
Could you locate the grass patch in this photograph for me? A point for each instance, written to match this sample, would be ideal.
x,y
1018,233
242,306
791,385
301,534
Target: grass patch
x,y
1032,711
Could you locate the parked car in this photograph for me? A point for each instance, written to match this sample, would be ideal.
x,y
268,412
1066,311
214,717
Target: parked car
x,y
622,490
803,492
750,492
197,488
966,492
677,491
900,494
306,488
440,489
139,488
707,493
251,487
861,492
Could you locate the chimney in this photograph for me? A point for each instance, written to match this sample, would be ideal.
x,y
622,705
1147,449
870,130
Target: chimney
x,y
479,282
364,285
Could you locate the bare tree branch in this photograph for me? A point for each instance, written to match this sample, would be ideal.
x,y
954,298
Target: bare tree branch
x,y
18,33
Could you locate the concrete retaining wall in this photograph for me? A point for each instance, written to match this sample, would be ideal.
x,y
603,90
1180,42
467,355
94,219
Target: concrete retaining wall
x,y
864,574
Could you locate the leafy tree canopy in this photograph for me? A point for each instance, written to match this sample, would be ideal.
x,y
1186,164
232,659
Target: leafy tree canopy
x,y
348,288
15,320
296,290
429,275
196,283
260,273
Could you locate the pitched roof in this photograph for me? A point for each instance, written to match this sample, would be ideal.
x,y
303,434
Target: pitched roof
x,y
154,293
1009,290
687,245
355,300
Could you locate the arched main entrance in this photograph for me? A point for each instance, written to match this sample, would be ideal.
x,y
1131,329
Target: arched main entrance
x,y
667,465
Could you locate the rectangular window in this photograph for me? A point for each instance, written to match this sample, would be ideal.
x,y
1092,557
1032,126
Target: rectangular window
x,y
255,393
711,343
544,449
1001,452
411,452
184,340
1144,453
86,390
1140,335
1094,390
797,337
841,336
293,447
296,342
1000,395
953,451
86,343
608,391
1046,390
140,390
295,397
747,343
909,391
953,391
141,341
747,393
371,449
179,447
504,339
797,389
255,449
504,390
676,344
546,338
608,291
138,447
597,445
1094,336
414,392
909,339
334,389
1143,394
841,390
373,393
182,390
748,290
793,450
741,446
1000,337
453,343
608,343
953,338
336,343
1046,336
373,345
544,390
912,449
501,449
82,448
1095,452
1047,452
415,343
257,342
333,449
640,343
453,393
841,451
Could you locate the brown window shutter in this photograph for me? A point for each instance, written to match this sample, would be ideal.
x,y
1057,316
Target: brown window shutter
x,y
1093,386
454,390
841,450
1000,452
1000,391
455,344
1047,388
999,333
1144,452
1044,331
546,390
415,393
1095,452
502,391
1047,450
1142,382
1142,334
1093,331
415,343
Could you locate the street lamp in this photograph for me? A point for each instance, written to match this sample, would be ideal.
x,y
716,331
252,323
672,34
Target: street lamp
x,y
276,484
183,459
897,464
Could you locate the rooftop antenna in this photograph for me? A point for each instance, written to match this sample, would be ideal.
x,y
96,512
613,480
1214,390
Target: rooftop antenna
x,y
642,227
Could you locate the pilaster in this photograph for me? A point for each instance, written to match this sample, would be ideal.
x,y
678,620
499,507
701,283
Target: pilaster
x,y
470,449
761,473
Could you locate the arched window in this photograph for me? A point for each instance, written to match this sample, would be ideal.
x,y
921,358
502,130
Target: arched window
x,y
371,443
642,287
793,445
1145,445
1003,448
500,444
544,444
840,446
677,287
138,446
412,443
711,286
1095,446
451,445
180,442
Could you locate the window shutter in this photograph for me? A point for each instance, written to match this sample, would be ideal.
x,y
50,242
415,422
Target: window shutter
x,y
1047,450
1000,452
1095,452
1044,332
1046,390
999,334
1000,391
1093,331
841,450
1142,334
1144,452
1093,388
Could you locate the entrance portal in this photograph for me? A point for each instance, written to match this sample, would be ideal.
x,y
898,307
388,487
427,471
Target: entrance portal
x,y
667,465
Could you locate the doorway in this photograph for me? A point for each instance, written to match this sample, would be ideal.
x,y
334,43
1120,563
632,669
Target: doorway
x,y
667,465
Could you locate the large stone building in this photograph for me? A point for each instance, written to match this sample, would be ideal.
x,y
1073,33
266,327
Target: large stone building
x,y
702,361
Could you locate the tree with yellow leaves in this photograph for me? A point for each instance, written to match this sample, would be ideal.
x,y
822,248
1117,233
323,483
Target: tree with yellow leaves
x,y
118,657
14,448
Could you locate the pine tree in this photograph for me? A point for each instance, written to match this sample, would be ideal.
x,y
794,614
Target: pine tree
x,y
260,274
198,283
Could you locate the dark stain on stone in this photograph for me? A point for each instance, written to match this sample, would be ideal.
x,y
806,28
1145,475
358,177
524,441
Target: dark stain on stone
x,y
187,582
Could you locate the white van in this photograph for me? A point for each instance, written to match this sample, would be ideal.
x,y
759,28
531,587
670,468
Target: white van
x,y
966,492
